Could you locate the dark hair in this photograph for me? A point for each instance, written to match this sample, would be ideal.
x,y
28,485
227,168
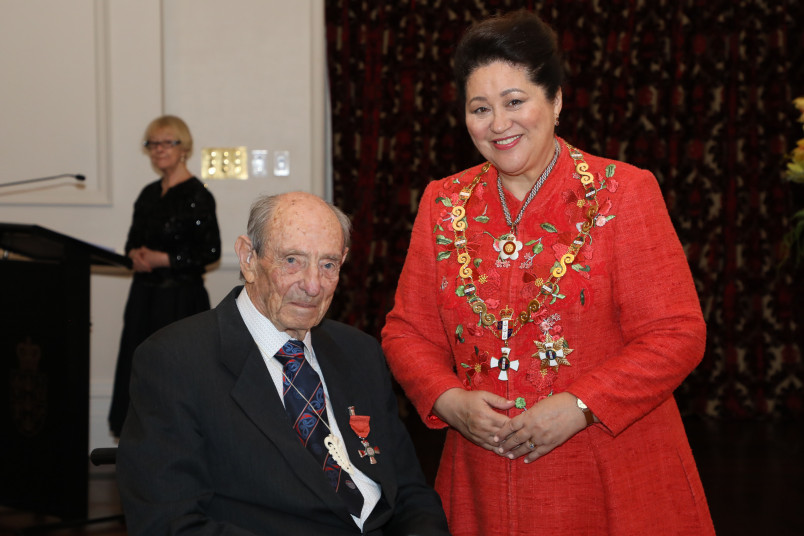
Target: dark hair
x,y
519,38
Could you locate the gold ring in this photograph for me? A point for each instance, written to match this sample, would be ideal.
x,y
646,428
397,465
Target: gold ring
x,y
531,445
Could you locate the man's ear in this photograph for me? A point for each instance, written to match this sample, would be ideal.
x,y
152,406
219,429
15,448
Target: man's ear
x,y
246,256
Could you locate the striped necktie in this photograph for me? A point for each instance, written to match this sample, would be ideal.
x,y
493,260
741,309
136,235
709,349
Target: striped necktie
x,y
305,404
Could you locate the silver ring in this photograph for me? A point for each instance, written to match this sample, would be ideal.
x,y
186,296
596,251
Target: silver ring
x,y
531,445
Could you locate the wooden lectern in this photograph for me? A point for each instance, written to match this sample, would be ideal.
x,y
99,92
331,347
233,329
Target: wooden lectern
x,y
44,369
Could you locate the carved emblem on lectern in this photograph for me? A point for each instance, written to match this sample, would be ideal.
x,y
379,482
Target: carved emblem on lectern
x,y
28,390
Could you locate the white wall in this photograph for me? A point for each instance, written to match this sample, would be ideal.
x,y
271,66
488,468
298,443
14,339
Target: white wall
x,y
82,78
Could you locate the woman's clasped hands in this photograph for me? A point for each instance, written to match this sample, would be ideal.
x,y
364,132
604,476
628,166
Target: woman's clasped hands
x,y
144,259
533,433
541,428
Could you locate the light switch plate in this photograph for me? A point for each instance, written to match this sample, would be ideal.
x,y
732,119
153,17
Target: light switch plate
x,y
259,163
281,163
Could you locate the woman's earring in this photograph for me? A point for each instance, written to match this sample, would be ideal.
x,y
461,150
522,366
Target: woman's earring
x,y
556,124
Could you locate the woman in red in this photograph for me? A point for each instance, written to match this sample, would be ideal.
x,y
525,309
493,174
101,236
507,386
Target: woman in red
x,y
545,314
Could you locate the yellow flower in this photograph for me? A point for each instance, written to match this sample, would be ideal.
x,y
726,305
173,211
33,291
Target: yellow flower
x,y
795,171
798,152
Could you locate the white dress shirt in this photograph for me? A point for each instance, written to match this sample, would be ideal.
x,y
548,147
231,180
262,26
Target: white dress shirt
x,y
269,340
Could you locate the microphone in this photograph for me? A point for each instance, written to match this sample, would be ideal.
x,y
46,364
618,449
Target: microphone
x,y
26,181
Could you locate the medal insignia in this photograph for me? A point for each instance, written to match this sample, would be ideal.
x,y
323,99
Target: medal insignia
x,y
552,353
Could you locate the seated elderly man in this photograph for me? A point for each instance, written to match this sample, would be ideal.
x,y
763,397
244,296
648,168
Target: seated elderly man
x,y
259,417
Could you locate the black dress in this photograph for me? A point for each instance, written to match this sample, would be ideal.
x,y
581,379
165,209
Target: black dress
x,y
183,224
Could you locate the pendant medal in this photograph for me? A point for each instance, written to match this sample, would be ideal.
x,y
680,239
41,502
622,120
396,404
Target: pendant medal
x,y
360,426
508,247
504,362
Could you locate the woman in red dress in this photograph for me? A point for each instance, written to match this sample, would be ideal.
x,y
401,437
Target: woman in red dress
x,y
545,314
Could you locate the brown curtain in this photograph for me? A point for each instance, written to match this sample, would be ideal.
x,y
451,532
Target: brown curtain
x,y
697,91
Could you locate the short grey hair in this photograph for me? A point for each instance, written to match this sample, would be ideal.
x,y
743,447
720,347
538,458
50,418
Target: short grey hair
x,y
263,209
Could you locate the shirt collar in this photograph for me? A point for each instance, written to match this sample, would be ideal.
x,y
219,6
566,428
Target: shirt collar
x,y
262,330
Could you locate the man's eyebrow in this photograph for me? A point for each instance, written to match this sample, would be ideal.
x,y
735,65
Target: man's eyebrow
x,y
298,253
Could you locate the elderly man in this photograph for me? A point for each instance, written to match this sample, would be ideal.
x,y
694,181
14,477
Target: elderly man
x,y
258,417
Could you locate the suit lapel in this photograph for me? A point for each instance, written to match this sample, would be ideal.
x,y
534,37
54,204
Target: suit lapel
x,y
254,392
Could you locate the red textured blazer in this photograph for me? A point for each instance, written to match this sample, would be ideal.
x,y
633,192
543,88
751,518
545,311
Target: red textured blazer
x,y
626,317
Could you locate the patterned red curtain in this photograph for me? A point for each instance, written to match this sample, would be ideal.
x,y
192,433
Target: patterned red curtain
x,y
698,91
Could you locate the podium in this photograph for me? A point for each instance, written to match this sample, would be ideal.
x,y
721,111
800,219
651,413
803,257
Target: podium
x,y
44,369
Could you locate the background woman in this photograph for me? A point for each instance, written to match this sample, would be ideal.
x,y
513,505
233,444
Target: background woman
x,y
546,313
173,236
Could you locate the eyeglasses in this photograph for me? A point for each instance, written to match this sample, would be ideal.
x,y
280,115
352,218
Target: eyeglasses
x,y
150,145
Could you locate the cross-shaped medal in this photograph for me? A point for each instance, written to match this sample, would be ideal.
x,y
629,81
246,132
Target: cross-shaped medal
x,y
370,451
504,362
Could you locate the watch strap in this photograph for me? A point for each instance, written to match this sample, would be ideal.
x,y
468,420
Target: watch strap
x,y
590,417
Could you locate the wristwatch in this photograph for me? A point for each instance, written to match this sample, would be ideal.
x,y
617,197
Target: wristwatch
x,y
590,417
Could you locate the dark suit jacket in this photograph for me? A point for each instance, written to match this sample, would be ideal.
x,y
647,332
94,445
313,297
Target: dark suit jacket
x,y
207,447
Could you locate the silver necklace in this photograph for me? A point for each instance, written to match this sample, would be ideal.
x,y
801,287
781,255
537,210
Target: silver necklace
x,y
531,195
